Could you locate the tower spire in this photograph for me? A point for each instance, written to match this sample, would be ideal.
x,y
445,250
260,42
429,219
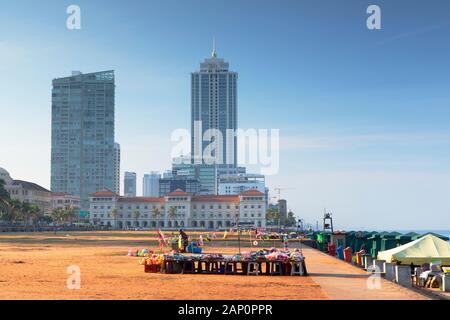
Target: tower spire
x,y
214,53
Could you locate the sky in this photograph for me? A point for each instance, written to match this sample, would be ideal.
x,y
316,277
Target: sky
x,y
364,115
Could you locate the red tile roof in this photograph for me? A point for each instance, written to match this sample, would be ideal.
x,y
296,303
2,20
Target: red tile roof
x,y
104,193
178,192
219,198
141,199
59,194
252,193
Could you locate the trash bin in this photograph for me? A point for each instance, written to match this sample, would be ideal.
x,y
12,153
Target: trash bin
x,y
340,252
348,254
446,282
360,258
331,249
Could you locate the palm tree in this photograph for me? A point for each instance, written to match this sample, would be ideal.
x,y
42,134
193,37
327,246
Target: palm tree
x,y
115,215
6,213
155,213
273,214
291,220
57,215
26,210
69,214
4,202
172,212
16,210
35,214
136,215
4,195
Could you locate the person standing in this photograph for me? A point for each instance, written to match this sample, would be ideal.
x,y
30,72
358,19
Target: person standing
x,y
184,239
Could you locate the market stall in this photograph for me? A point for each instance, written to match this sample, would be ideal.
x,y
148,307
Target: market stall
x,y
262,262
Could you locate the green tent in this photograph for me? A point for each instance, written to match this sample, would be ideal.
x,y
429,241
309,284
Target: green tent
x,y
423,250
407,237
434,234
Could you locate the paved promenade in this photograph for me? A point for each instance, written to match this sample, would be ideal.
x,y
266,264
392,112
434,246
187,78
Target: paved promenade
x,y
341,280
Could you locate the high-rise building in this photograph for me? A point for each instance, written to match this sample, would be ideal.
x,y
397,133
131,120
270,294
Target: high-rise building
x,y
282,208
238,183
117,168
204,173
150,184
185,183
82,156
129,184
214,106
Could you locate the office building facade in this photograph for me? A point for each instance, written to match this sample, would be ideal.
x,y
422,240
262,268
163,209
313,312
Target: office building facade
x,y
238,183
150,184
117,168
129,184
82,154
214,106
184,183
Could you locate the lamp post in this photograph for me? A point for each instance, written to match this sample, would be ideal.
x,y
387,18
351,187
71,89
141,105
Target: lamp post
x,y
238,228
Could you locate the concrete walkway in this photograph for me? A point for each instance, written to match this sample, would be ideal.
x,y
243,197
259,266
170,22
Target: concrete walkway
x,y
343,281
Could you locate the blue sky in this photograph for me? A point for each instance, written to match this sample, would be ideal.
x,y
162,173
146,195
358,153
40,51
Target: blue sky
x,y
363,115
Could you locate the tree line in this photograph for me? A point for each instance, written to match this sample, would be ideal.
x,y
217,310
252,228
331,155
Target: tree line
x,y
274,215
14,211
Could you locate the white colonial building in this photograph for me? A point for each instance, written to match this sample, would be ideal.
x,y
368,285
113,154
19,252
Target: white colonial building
x,y
178,209
62,200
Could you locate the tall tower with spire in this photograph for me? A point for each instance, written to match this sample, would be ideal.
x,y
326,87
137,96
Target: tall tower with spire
x,y
214,106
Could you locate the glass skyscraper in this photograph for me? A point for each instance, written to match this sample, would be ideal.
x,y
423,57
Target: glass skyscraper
x,y
82,156
214,106
150,184
129,184
117,168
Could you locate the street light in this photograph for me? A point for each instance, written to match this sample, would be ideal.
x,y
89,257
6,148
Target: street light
x,y
238,231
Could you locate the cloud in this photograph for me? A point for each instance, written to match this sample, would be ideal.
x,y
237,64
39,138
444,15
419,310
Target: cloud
x,y
415,32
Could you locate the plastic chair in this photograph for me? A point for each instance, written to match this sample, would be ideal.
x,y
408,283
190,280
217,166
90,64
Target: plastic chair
x,y
297,269
276,268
